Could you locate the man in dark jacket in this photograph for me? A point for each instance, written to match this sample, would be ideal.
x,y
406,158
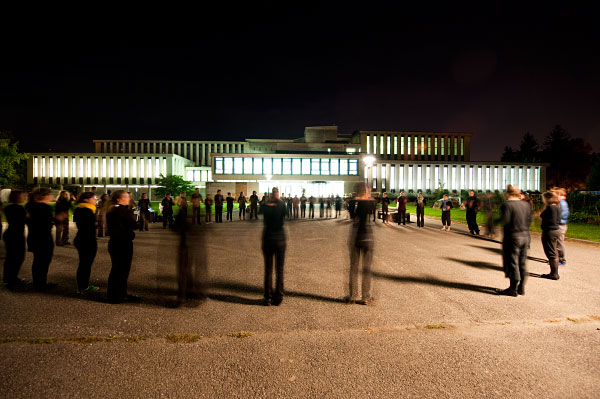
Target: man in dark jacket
x,y
274,244
229,200
144,204
254,205
218,207
472,207
61,214
420,204
401,201
167,212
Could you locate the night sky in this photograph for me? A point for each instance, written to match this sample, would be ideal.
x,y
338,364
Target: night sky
x,y
266,72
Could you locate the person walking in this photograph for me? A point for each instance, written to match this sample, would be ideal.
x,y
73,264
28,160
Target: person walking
x,y
242,204
420,207
39,238
385,203
14,238
208,202
446,217
303,206
144,205
551,232
401,202
273,247
61,214
296,204
472,207
121,225
254,205
516,218
230,201
196,201
167,210
311,207
361,246
564,219
85,240
103,207
219,207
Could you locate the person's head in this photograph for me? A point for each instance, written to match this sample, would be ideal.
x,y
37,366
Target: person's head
x,y
109,192
561,192
265,193
402,193
94,189
88,197
550,198
104,197
144,195
513,192
229,194
275,193
420,195
384,195
64,195
241,193
16,197
197,190
296,196
182,195
253,192
471,193
41,194
168,195
361,189
445,197
219,192
120,197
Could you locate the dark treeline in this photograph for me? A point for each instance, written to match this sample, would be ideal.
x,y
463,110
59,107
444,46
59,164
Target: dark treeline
x,y
571,162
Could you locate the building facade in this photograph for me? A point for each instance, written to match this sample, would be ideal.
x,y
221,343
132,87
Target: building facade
x,y
322,162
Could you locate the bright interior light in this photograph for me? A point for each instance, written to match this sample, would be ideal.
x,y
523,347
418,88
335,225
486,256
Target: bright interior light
x,y
369,160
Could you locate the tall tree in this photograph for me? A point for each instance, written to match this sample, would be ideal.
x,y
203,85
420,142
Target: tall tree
x,y
593,182
10,158
509,155
529,149
569,159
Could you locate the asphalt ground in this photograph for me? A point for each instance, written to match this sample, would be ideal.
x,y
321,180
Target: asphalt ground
x,y
436,329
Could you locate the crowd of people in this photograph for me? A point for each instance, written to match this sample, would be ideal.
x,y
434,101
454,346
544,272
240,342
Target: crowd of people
x,y
117,216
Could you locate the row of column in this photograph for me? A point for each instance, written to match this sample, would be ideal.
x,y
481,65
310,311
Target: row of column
x,y
417,147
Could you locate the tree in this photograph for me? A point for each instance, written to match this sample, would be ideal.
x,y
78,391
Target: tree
x,y
10,158
593,181
173,184
529,149
509,154
569,159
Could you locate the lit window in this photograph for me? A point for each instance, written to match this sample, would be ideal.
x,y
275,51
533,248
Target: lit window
x,y
218,165
512,175
51,167
66,166
247,166
43,166
268,166
204,175
36,164
350,150
423,145
133,166
89,167
227,166
393,177
436,176
306,166
104,173
276,166
520,177
383,175
325,166
436,145
488,178
80,167
353,167
156,167
428,178
442,140
446,178
395,146
190,175
296,166
408,145
455,146
462,178
335,167
389,145
58,171
401,176
410,177
528,180
479,178
238,166
258,166
416,146
374,173
537,179
419,177
197,175
287,166
471,185
344,167
429,145
164,166
454,177
111,171
368,144
149,169
73,167
462,146
375,144
118,167
402,145
314,166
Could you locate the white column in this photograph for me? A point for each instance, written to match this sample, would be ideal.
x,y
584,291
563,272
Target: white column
x,y
202,160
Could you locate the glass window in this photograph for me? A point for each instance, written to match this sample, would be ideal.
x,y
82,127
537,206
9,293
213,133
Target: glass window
x,y
488,177
455,146
410,177
164,166
190,175
104,167
306,166
324,166
197,175
343,166
258,166
374,172
395,146
442,140
204,175
228,165
416,146
520,177
383,176
462,178
429,145
436,145
353,167
58,165
248,166
409,143
436,176
462,146
111,169
238,166
428,177
368,143
479,178
389,145
419,177
36,165
276,166
268,166
156,167
51,167
314,166
96,168
126,167
287,166
393,177
335,166
218,165
423,145
402,145
454,177
401,176
528,180
296,166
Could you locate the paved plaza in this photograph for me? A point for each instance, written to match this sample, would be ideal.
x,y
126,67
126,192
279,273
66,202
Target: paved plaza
x,y
436,329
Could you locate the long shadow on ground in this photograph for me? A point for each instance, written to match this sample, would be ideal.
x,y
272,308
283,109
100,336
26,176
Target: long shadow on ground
x,y
437,282
499,252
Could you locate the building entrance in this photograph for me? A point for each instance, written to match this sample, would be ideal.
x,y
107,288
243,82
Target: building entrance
x,y
294,187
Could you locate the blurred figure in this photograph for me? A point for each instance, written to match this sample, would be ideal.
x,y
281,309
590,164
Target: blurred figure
x,y
208,202
564,219
230,201
183,205
338,206
85,240
551,232
361,246
61,214
489,206
254,205
242,203
401,202
321,206
14,238
273,245
39,238
167,210
218,207
311,207
296,205
420,205
196,200
385,203
516,218
472,207
144,204
290,205
132,204
103,207
446,217
303,206
329,204
121,225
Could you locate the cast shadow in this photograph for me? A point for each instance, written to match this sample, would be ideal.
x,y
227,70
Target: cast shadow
x,y
477,264
436,282
499,252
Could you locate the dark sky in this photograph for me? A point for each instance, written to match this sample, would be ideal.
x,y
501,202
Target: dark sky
x,y
266,72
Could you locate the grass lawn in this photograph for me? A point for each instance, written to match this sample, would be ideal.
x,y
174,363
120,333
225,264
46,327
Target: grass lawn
x,y
155,204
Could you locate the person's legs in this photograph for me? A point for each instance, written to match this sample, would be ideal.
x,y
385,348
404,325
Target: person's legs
x,y
549,240
522,247
353,277
87,254
100,226
268,253
367,258
560,244
280,261
59,230
65,231
41,263
15,255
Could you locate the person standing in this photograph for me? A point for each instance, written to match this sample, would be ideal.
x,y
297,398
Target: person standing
x,y
551,232
39,239
564,219
303,206
254,205
385,203
144,204
230,201
311,207
472,207
446,217
321,206
242,204
167,210
489,205
219,207
290,206
329,206
401,202
85,240
183,206
14,238
296,204
338,206
273,246
361,246
121,225
208,202
196,201
420,205
516,218
61,214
